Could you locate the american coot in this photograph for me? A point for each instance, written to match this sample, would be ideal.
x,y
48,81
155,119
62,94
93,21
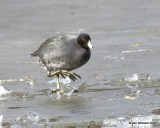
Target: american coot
x,y
61,54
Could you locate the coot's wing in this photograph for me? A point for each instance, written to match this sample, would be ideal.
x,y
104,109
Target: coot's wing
x,y
47,44
56,50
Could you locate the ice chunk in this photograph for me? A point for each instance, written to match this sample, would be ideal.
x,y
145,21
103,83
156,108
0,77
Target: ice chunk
x,y
3,91
132,78
8,80
138,50
31,119
33,116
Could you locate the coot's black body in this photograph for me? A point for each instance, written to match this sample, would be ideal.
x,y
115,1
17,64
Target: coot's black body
x,y
64,52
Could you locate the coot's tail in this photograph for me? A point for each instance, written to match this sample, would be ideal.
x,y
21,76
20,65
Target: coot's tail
x,y
34,54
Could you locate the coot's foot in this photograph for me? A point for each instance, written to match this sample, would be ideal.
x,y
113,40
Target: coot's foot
x,y
64,74
55,90
75,91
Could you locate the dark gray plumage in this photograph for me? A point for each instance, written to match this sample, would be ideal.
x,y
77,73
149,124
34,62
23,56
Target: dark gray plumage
x,y
64,53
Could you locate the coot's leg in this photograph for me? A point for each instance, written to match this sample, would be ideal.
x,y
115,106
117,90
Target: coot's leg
x,y
58,84
56,73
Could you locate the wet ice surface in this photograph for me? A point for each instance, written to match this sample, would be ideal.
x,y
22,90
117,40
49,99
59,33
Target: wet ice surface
x,y
119,83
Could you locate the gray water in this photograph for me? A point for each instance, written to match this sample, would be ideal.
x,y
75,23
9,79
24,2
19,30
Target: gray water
x,y
125,35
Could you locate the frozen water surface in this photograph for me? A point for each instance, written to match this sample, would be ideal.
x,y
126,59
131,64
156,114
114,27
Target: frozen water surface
x,y
120,82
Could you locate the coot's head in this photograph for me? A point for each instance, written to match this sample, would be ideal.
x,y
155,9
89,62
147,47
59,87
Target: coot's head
x,y
84,40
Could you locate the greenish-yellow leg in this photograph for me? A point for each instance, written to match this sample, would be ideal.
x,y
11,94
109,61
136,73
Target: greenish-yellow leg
x,y
64,74
58,84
